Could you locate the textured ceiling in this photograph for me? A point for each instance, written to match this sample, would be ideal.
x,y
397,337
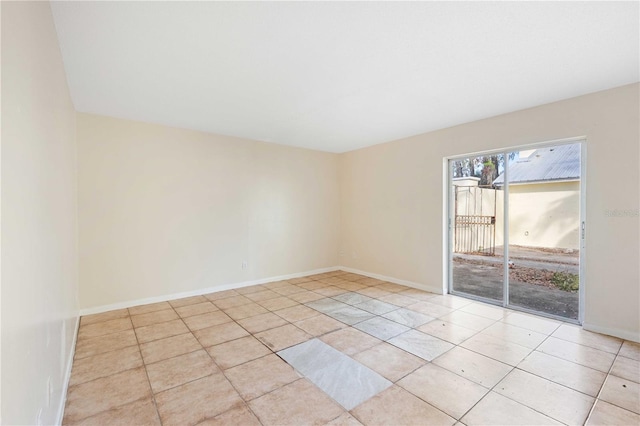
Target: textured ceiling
x,y
336,76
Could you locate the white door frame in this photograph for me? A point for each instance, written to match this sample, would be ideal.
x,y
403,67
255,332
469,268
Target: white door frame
x,y
448,225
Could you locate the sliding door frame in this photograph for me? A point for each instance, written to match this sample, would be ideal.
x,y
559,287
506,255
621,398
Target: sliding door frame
x,y
449,199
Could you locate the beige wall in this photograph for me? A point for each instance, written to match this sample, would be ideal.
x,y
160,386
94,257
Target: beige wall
x,y
39,217
166,211
392,198
545,215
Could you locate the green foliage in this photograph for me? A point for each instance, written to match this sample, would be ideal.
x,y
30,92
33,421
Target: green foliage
x,y
566,281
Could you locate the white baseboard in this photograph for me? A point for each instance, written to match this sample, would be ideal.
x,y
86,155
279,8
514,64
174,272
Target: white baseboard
x,y
615,332
430,289
67,375
199,292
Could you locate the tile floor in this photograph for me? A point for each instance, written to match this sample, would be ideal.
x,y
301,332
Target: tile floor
x,y
344,349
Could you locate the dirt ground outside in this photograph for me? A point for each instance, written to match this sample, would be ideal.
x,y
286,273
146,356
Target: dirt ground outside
x,y
531,278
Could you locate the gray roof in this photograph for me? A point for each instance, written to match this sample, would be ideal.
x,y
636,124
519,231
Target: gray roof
x,y
553,163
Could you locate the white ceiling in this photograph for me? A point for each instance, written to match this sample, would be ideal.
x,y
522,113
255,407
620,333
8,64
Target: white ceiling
x,y
336,76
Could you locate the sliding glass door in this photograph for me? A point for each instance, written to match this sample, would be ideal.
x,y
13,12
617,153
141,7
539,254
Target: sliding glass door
x,y
516,230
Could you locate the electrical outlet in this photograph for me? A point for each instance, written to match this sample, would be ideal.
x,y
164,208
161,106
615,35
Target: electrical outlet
x,y
245,264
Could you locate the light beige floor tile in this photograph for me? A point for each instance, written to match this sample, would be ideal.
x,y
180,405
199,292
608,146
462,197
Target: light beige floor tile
x,y
169,347
251,289
510,333
313,285
277,284
172,372
350,286
101,344
245,311
350,341
153,317
450,332
448,300
152,307
105,364
231,302
583,355
605,414
221,295
630,350
305,297
330,291
556,401
106,393
262,322
319,325
621,392
263,294
278,303
398,300
160,331
289,290
297,403
395,406
533,323
484,310
296,313
282,337
498,349
105,316
255,378
196,401
237,352
141,413
467,320
424,296
473,366
299,280
374,292
240,416
430,309
443,389
389,361
576,334
185,301
103,328
209,319
495,409
219,334
572,375
196,309
345,419
385,285
626,368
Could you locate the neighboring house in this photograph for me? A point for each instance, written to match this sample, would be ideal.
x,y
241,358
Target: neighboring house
x,y
544,197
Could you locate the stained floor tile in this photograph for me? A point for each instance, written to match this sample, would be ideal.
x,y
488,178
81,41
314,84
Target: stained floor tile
x,y
346,381
421,344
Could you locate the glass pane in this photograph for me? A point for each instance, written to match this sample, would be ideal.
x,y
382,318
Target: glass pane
x,y
544,223
476,228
